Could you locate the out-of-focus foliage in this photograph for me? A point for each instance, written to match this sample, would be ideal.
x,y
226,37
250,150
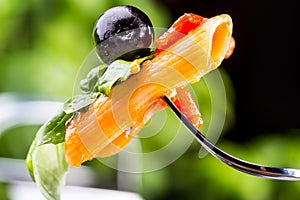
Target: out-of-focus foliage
x,y
15,142
3,192
191,177
43,43
42,46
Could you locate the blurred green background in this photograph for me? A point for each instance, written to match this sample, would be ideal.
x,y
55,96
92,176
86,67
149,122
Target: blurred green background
x,y
42,46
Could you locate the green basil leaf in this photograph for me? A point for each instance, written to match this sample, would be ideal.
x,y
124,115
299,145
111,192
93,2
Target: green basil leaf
x,y
46,157
118,70
49,169
79,102
89,84
53,131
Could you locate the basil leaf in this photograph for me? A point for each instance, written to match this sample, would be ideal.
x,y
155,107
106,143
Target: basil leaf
x,y
88,84
99,80
118,70
49,169
51,132
54,130
46,157
89,89
79,102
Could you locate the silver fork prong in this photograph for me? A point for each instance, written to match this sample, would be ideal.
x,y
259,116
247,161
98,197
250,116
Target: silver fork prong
x,y
287,174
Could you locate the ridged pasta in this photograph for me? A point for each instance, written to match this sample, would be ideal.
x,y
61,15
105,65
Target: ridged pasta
x,y
111,122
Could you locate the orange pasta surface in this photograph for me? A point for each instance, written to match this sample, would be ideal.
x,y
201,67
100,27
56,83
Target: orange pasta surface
x,y
112,121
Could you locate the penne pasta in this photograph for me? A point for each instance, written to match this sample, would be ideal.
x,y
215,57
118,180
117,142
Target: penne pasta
x,y
112,121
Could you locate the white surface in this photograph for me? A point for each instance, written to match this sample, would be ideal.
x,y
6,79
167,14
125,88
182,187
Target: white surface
x,y
29,191
15,111
21,187
15,170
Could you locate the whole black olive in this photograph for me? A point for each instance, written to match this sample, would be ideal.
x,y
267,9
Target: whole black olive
x,y
123,32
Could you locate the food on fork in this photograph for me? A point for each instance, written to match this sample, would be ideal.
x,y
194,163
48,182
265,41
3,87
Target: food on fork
x,y
120,96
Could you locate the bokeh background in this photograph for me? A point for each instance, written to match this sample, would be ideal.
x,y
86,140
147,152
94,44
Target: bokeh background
x,y
43,44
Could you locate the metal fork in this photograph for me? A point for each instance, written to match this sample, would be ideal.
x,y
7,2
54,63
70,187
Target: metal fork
x,y
287,174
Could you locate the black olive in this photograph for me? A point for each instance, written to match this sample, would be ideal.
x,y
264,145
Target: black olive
x,y
123,32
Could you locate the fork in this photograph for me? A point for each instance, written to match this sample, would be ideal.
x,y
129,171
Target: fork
x,y
287,174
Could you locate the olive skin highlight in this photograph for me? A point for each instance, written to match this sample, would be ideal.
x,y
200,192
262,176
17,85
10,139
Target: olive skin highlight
x,y
123,32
